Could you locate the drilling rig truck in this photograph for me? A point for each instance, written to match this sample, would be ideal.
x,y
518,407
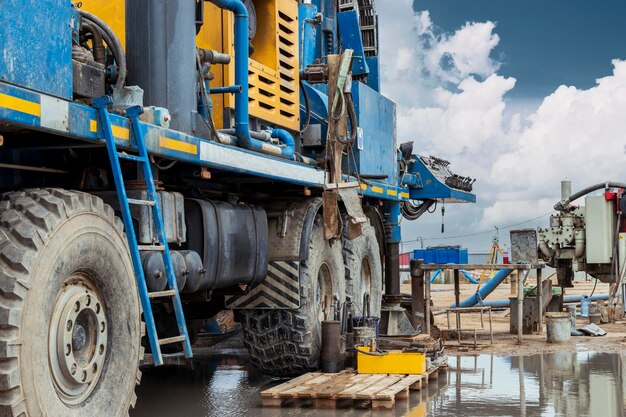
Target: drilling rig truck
x,y
163,160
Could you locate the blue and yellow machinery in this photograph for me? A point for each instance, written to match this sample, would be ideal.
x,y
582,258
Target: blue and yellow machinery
x,y
251,157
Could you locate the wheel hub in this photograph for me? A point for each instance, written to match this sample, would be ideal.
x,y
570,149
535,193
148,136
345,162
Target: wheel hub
x,y
77,340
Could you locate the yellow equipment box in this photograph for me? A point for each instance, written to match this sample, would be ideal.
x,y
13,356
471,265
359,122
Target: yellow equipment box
x,y
390,362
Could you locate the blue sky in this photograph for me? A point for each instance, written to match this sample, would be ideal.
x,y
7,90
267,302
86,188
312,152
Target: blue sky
x,y
531,92
544,43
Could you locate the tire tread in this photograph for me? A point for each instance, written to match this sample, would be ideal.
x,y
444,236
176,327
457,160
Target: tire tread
x,y
27,220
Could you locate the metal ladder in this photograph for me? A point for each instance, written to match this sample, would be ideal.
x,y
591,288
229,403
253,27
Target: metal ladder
x,y
172,292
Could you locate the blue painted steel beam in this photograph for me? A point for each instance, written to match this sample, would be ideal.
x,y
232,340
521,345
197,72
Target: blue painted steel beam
x,y
350,35
21,107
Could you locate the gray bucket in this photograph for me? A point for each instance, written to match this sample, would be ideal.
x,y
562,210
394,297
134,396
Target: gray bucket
x,y
558,327
363,335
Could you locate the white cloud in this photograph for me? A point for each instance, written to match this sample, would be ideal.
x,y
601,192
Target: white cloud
x,y
457,111
417,57
578,134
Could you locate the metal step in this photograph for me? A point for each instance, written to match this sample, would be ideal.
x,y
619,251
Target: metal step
x,y
156,248
124,155
138,202
172,340
162,294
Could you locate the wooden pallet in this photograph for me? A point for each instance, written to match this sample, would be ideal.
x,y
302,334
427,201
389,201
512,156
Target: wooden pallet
x,y
346,388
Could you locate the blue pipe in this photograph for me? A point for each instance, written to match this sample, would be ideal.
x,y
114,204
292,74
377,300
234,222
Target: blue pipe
x,y
285,137
242,116
464,272
435,275
566,300
486,289
469,277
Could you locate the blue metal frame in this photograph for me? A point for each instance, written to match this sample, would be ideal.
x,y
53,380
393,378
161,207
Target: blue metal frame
x,y
83,123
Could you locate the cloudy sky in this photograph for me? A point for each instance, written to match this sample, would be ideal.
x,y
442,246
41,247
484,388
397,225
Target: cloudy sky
x,y
518,94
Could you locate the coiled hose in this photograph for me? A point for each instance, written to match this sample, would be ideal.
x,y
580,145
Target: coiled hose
x,y
114,45
413,212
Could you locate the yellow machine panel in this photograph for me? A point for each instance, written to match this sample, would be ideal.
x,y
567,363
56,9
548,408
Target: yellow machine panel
x,y
113,12
392,362
273,65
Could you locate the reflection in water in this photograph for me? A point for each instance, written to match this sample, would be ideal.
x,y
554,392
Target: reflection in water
x,y
563,384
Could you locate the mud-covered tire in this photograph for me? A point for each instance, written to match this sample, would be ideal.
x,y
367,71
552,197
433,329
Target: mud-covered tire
x,y
364,270
53,240
288,342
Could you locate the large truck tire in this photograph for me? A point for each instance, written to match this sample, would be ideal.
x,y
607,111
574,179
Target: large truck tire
x,y
288,342
70,328
364,270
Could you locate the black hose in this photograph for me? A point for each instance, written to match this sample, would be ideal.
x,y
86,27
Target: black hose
x,y
114,45
561,205
96,39
307,105
413,212
349,102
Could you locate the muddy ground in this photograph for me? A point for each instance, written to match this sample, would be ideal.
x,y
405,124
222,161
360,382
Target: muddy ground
x,y
506,343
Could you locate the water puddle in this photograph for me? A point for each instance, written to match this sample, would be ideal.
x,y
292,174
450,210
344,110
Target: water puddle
x,y
557,384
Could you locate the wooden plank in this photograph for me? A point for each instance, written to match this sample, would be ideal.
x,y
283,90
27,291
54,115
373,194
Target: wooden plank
x,y
402,385
416,386
332,390
383,404
270,392
295,392
372,390
337,383
325,403
349,393
271,402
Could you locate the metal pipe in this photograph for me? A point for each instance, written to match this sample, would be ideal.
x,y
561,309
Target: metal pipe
x,y
226,139
568,299
242,128
566,189
98,46
486,289
545,250
561,205
262,135
332,360
463,271
579,240
417,293
468,276
285,137
233,89
34,169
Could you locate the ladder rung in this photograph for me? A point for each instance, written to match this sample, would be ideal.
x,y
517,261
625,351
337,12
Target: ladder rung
x,y
172,340
160,294
151,247
140,202
130,157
